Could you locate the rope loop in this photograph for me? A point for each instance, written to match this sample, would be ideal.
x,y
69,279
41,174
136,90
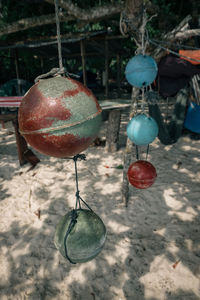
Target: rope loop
x,y
58,34
52,73
74,216
79,157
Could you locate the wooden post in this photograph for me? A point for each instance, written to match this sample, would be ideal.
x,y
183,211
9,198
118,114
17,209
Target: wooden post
x,y
82,43
24,153
21,143
128,153
42,63
112,134
17,71
119,75
106,68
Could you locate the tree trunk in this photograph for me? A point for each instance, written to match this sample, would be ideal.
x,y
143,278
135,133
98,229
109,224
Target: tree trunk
x,y
112,135
128,153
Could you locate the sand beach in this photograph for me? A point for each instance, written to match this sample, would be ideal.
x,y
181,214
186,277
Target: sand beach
x,y
152,250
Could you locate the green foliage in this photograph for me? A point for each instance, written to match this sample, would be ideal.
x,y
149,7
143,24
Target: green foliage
x,y
170,13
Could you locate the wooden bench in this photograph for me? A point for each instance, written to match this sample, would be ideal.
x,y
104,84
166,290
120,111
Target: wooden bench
x,y
113,107
24,153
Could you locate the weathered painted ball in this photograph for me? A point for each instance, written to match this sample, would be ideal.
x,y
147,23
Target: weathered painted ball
x,y
141,70
142,129
141,174
59,117
80,235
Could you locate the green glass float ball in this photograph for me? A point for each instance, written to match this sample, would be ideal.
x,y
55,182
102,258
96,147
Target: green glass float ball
x,y
86,238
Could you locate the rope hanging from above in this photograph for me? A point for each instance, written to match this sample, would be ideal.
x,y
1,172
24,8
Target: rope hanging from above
x,y
80,235
61,70
58,36
74,214
78,197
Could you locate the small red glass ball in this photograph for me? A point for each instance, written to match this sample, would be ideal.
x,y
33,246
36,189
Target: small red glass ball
x,y
141,174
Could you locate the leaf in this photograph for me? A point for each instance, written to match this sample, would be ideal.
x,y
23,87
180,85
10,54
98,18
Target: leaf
x,y
176,263
119,167
37,213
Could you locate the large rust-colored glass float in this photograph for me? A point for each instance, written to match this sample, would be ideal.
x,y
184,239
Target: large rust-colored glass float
x,y
141,174
59,117
80,235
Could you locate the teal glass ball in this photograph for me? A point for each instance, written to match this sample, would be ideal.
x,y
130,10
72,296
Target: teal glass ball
x,y
86,238
141,70
142,130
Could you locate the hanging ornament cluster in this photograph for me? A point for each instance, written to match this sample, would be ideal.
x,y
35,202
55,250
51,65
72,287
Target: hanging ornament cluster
x,y
141,70
80,234
59,117
142,129
141,174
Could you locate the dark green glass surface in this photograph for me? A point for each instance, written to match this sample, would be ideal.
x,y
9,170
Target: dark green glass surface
x,y
86,239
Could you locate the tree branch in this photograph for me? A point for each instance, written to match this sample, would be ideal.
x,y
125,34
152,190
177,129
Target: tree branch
x,y
72,13
90,14
180,32
183,35
27,23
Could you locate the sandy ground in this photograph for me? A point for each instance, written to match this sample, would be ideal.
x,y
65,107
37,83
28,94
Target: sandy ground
x,y
152,249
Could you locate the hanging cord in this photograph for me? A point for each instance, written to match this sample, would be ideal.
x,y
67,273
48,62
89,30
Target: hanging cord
x,y
142,44
58,36
171,51
137,152
74,214
167,110
142,49
78,197
179,46
61,70
143,33
147,152
143,100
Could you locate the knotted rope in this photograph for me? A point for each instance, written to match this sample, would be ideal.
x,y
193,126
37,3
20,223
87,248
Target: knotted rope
x,y
61,70
74,213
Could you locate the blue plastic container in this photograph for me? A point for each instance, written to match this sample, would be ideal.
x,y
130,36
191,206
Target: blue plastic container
x,y
141,70
192,119
142,130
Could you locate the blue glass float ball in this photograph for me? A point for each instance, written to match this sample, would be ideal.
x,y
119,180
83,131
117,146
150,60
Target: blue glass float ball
x,y
142,130
141,70
192,119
